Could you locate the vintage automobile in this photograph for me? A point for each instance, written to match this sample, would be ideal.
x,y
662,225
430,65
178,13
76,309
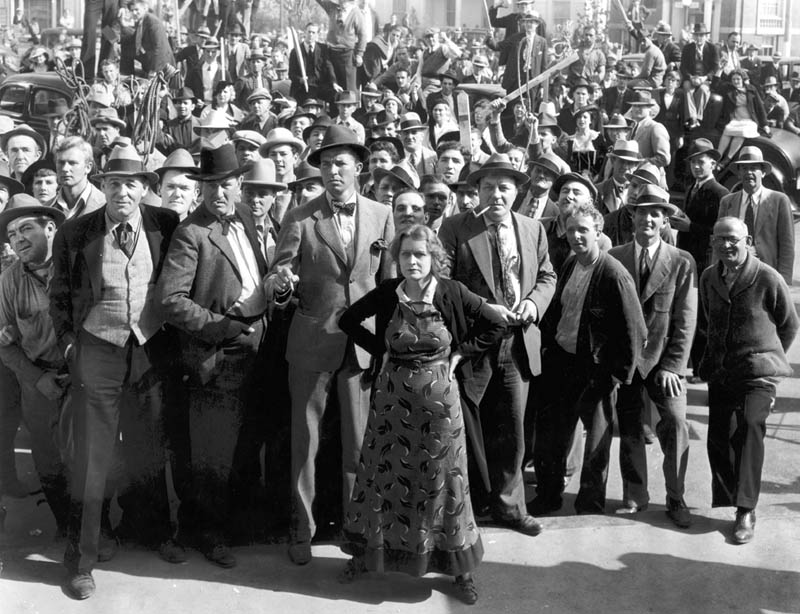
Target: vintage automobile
x,y
26,97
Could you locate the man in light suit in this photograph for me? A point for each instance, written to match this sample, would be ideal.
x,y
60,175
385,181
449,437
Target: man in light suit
x,y
108,327
766,213
652,137
503,258
331,252
666,282
211,291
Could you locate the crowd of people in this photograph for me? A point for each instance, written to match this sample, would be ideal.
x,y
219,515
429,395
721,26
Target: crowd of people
x,y
348,289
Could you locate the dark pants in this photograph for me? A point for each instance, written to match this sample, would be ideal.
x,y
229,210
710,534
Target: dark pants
x,y
501,381
343,67
117,402
573,393
737,423
10,418
106,12
673,435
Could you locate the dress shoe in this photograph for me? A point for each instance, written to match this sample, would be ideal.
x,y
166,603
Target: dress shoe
x,y
745,527
107,547
300,553
352,570
467,591
678,513
541,507
172,552
221,555
527,525
630,507
80,585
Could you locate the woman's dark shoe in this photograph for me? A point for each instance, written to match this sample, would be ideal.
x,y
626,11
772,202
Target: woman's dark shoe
x,y
352,570
467,591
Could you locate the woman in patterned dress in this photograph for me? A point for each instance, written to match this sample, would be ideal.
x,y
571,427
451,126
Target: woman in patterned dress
x,y
410,510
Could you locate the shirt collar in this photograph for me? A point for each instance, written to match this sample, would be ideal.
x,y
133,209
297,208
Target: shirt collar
x,y
704,181
351,198
83,198
756,196
651,249
134,221
427,295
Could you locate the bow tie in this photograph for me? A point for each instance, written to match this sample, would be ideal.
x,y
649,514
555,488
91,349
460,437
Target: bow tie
x,y
227,220
340,206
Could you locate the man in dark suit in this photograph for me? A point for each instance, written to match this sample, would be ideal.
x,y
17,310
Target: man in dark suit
x,y
666,283
527,54
536,202
332,246
319,73
612,194
751,321
255,80
592,334
179,132
204,76
108,327
511,22
699,53
149,40
211,291
503,258
766,213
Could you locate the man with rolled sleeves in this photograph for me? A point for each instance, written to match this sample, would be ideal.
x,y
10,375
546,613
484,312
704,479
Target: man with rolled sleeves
x,y
331,252
666,283
751,322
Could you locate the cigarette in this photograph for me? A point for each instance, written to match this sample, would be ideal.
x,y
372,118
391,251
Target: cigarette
x,y
477,213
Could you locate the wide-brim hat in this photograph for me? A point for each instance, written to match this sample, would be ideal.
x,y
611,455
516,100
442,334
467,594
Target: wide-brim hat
x,y
262,173
179,160
25,205
12,185
559,183
313,102
654,196
699,147
304,172
647,172
107,116
498,165
337,136
125,161
347,97
751,155
398,145
281,136
210,43
27,177
322,121
449,74
626,150
551,123
400,172
215,120
617,120
663,28
409,124
581,83
771,80
463,174
700,28
548,162
217,164
37,52
642,98
23,130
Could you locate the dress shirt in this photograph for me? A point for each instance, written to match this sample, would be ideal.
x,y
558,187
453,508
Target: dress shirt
x,y
621,192
652,250
252,301
208,72
427,295
743,204
135,222
572,299
266,240
511,266
80,203
533,206
345,222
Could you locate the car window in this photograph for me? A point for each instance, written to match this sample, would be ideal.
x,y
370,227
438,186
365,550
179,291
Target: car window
x,y
40,101
12,99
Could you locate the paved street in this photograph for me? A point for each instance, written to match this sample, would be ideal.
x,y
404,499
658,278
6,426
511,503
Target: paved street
x,y
579,564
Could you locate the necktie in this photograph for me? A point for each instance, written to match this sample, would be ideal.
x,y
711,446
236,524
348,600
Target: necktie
x,y
343,207
124,236
227,220
507,258
413,159
644,268
633,131
750,216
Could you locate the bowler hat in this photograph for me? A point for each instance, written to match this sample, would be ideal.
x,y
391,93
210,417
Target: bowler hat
x,y
337,136
280,136
217,164
654,196
23,130
703,146
402,172
626,150
752,155
498,164
262,172
304,172
25,205
125,161
179,160
577,177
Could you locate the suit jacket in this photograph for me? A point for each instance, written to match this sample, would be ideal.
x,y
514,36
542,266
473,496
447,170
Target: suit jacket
x,y
653,140
710,59
515,73
702,209
194,79
309,242
669,306
672,116
94,201
607,199
612,331
151,44
318,71
78,260
749,327
774,229
199,284
247,85
469,260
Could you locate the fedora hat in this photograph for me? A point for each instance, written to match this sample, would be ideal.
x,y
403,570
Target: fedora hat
x,y
370,90
654,196
107,116
9,183
642,98
700,28
771,80
27,177
401,171
262,172
548,162
702,146
23,130
548,121
125,161
626,150
25,205
581,82
217,164
663,28
480,61
411,122
179,160
259,94
398,145
210,43
462,179
215,120
256,54
752,155
346,97
313,102
56,107
337,136
281,136
249,136
559,183
39,51
449,74
303,173
184,93
646,173
384,118
498,164
74,43
321,122
617,120
298,114
203,32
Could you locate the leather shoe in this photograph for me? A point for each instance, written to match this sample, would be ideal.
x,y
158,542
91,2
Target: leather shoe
x,y
541,507
172,552
467,590
107,547
745,527
527,525
678,513
221,555
630,507
80,585
300,553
